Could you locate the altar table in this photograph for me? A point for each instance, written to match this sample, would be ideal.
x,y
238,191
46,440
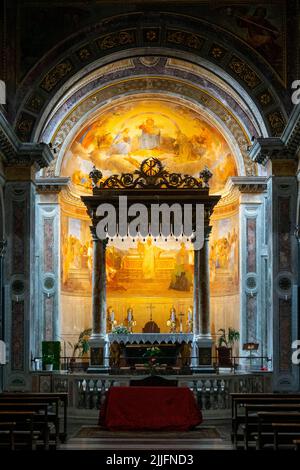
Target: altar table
x,y
148,408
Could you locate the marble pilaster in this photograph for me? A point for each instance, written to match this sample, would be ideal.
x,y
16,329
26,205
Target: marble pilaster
x,y
255,315
47,260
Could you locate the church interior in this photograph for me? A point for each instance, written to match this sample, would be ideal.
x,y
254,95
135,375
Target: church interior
x,y
140,339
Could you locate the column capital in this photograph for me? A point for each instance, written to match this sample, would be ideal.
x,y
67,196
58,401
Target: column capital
x,y
21,154
250,184
95,237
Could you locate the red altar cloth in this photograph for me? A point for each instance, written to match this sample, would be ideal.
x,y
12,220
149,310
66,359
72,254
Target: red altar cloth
x,y
164,408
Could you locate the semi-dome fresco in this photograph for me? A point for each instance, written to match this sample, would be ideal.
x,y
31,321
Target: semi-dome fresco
x,y
121,137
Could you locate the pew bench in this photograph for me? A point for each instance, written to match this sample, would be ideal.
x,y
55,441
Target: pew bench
x,y
239,400
52,412
6,431
39,418
51,399
257,415
285,433
23,427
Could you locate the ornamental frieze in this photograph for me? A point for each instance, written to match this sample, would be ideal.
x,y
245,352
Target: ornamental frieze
x,y
192,41
244,72
120,38
56,75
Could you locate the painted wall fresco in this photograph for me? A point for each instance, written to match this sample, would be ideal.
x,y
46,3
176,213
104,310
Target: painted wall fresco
x,y
122,137
224,256
261,26
149,277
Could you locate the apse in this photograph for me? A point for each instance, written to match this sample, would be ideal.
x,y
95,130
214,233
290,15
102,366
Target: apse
x,y
149,276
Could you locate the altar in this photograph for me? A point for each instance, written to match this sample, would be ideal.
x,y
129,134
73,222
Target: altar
x,y
133,348
181,328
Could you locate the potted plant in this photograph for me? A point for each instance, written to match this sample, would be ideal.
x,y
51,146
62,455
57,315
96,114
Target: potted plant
x,y
82,346
225,344
48,361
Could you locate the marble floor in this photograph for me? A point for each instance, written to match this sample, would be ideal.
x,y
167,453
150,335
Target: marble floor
x,y
142,443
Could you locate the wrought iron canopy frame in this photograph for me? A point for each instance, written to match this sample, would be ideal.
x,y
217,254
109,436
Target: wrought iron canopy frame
x,y
151,184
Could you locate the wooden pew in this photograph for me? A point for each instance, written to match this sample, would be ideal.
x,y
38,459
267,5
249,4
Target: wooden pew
x,y
7,429
286,432
239,400
265,418
251,424
23,422
53,417
48,397
40,418
296,443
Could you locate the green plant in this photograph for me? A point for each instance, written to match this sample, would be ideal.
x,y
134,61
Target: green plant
x,y
48,359
82,344
152,352
228,339
120,330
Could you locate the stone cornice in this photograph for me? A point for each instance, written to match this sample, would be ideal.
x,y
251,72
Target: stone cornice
x,y
270,148
17,153
254,184
51,185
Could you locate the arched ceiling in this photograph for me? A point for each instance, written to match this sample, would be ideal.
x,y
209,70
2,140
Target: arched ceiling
x,y
172,35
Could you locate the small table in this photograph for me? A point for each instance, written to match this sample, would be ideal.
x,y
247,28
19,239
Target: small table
x,y
150,408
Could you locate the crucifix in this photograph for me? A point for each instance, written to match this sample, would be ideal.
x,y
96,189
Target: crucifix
x,y
150,308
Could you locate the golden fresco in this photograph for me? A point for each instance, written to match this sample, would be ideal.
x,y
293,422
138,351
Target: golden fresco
x,y
122,137
148,267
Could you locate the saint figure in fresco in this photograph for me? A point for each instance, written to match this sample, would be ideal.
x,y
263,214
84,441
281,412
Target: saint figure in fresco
x,y
262,34
150,252
181,277
150,137
121,143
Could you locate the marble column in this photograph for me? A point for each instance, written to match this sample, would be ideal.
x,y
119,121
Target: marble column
x,y
98,338
202,333
204,326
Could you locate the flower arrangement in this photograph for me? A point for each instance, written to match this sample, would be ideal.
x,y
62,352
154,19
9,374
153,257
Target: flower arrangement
x,y
151,354
120,330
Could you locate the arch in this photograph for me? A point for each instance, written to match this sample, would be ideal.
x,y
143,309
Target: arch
x,y
190,36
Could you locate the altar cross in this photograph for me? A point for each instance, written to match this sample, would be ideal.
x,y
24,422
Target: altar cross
x,y
150,308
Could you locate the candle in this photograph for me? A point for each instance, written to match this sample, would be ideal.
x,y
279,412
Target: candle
x,y
173,316
129,315
112,316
